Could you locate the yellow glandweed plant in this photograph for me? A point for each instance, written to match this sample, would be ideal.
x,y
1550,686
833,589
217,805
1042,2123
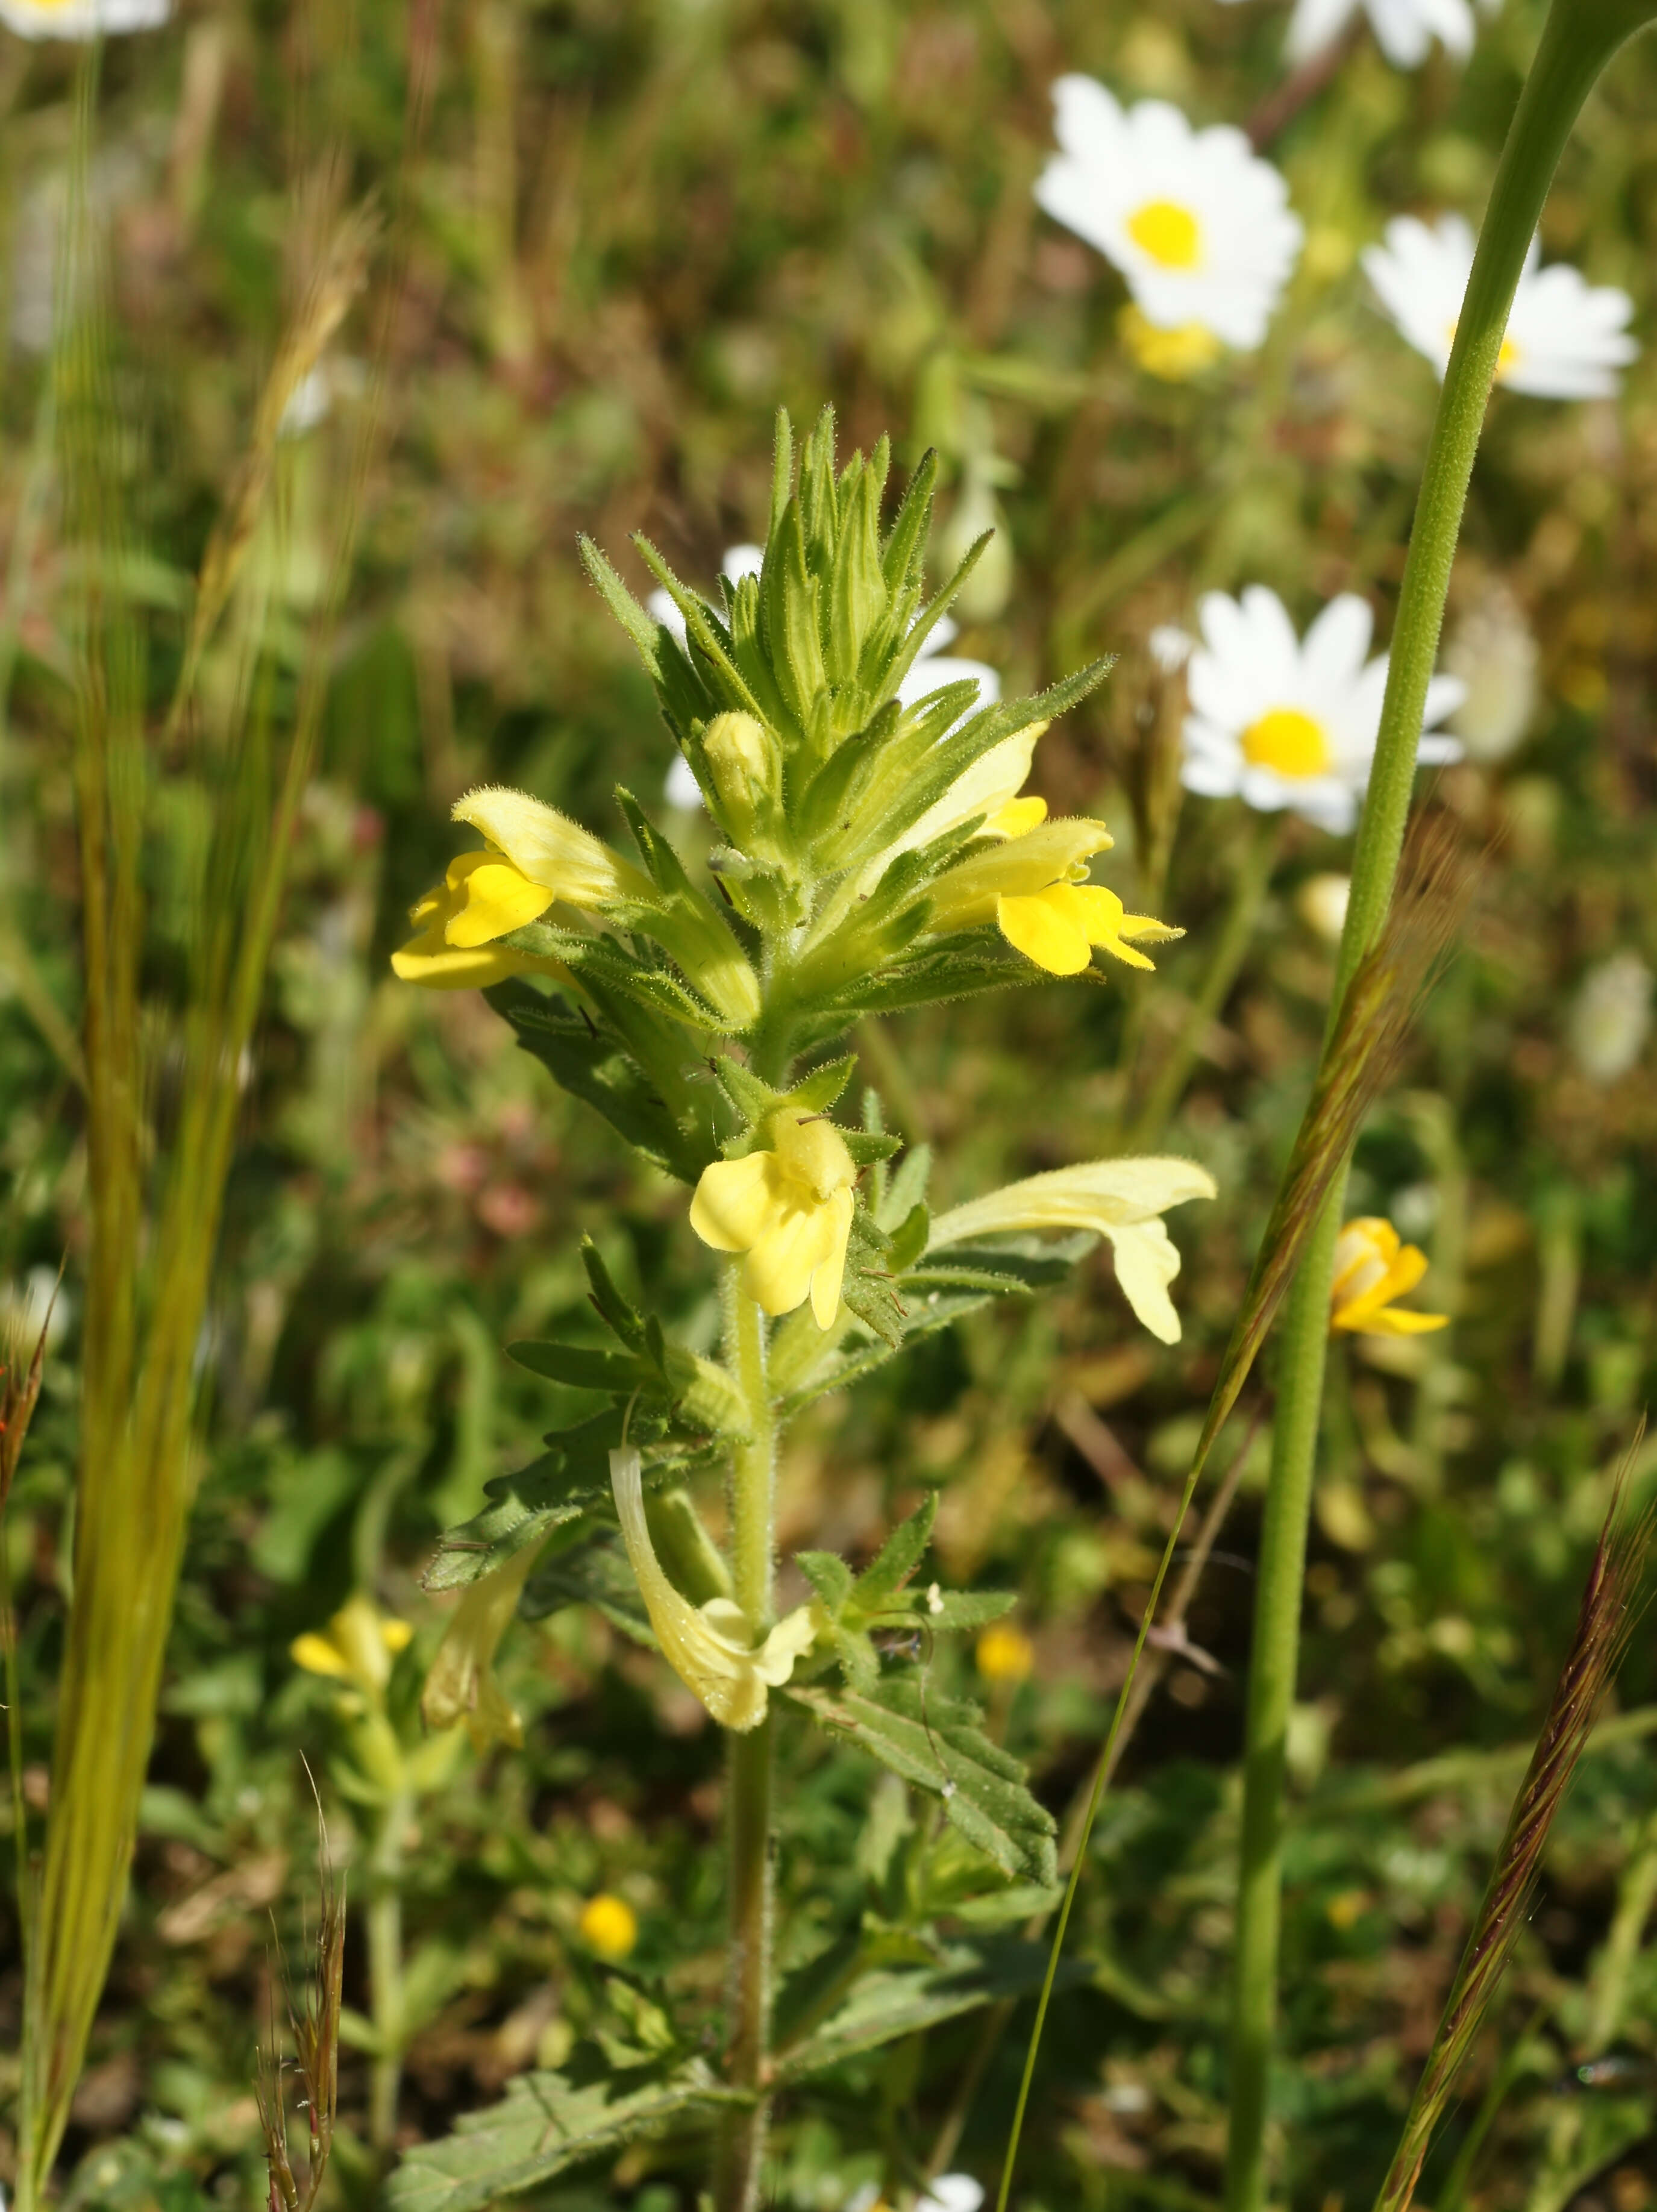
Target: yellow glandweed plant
x,y
874,851
155,1182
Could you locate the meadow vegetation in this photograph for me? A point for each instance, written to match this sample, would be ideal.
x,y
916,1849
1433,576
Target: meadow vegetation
x,y
347,350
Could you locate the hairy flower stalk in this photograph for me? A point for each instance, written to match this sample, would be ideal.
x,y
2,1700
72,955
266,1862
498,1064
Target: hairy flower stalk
x,y
877,849
1603,1629
1578,38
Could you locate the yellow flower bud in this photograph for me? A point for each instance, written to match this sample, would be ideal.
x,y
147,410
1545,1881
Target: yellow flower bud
x,y
741,755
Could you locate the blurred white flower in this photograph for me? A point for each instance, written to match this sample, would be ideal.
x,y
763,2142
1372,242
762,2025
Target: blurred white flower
x,y
1200,227
1321,903
951,2192
1566,338
1404,29
1492,651
1170,648
931,669
1611,1019
82,19
1287,723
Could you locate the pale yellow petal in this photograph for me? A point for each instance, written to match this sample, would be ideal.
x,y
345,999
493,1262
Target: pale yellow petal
x,y
1045,930
778,1272
318,1655
1147,1260
706,1646
551,849
1016,819
991,782
1096,1194
831,1270
735,1202
461,1684
490,899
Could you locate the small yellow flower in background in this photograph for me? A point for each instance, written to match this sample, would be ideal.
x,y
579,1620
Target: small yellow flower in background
x,y
1372,1268
1174,355
789,1209
709,1647
535,855
1005,1653
357,1646
609,1925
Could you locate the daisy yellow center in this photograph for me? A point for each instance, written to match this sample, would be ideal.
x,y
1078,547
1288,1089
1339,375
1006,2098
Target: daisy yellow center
x,y
1289,741
1169,233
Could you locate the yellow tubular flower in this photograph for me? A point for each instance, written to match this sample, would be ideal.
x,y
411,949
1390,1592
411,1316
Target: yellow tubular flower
x,y
461,1684
1372,1268
535,855
1034,889
789,1209
709,1647
357,1646
1122,1200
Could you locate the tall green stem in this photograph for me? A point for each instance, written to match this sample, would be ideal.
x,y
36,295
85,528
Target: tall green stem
x,y
741,2152
1577,40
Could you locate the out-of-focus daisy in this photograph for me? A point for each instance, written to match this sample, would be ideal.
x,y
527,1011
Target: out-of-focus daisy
x,y
1200,227
1287,722
1611,1019
932,667
82,19
1566,338
1404,29
1494,652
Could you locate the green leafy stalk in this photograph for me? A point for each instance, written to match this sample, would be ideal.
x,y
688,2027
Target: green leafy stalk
x,y
1577,40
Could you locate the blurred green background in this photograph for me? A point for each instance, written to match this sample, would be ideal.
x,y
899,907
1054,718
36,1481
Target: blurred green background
x,y
632,232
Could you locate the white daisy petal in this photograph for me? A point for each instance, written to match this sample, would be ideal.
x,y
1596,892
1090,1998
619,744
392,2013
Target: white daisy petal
x,y
1286,722
1566,339
1198,226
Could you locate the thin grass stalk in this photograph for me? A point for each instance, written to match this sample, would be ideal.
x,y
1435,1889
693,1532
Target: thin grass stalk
x,y
1577,40
137,1466
1603,1628
1365,1050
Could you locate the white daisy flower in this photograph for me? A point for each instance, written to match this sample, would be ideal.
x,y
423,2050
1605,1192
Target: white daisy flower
x,y
1566,338
932,669
1287,722
1200,227
82,19
1404,29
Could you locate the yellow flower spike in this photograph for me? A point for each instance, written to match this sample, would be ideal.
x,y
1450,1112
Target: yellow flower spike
x,y
357,1646
1121,1201
709,1647
608,1925
461,1684
1058,928
1373,1268
1005,1653
789,1209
